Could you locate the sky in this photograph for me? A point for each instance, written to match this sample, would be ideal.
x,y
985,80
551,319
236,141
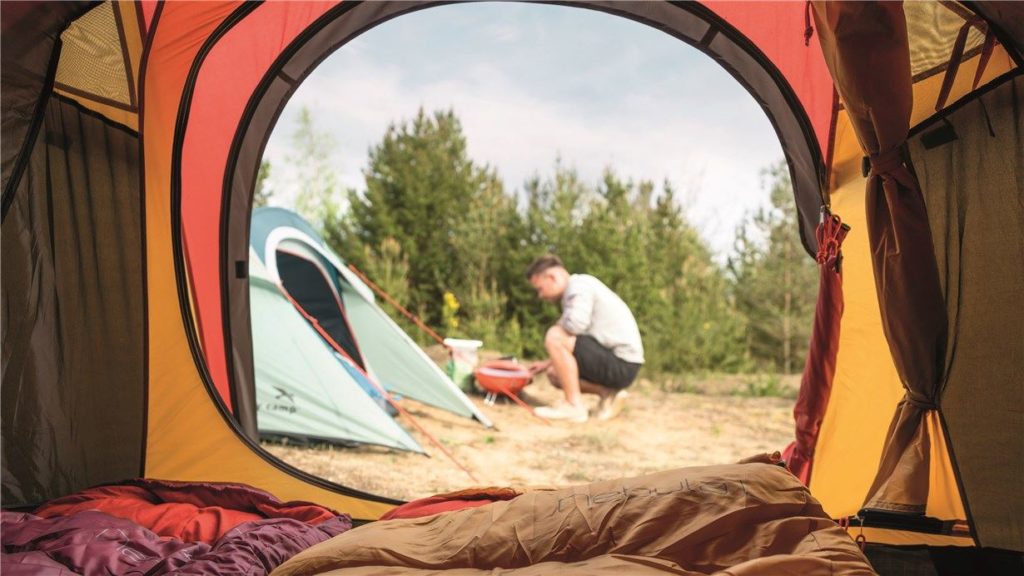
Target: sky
x,y
532,83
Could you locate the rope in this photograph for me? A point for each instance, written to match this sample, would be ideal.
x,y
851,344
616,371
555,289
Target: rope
x,y
519,401
380,292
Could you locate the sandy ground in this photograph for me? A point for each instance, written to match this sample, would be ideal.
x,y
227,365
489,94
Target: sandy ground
x,y
716,422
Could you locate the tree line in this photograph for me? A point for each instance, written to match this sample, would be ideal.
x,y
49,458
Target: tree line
x,y
442,235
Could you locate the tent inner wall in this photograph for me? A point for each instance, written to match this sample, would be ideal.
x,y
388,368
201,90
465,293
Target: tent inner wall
x,y
866,387
971,169
73,324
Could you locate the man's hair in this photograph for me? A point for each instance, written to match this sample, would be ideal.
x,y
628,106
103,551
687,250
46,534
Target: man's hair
x,y
543,263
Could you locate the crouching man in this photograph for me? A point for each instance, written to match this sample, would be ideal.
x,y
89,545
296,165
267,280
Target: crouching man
x,y
594,348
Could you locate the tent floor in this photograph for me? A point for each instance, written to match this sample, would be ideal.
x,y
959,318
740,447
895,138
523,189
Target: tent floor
x,y
943,561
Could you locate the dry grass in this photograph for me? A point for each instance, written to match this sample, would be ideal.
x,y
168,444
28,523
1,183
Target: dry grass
x,y
656,431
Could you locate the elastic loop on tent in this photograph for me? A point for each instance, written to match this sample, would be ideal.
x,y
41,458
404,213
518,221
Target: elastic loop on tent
x,y
808,29
844,522
830,235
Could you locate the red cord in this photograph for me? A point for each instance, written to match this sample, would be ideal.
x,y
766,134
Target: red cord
x,y
387,395
830,235
380,292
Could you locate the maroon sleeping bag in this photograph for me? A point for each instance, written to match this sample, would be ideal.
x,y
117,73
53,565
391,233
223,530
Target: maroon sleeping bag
x,y
91,542
161,527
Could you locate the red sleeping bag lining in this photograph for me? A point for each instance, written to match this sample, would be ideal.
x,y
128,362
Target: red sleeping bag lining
x,y
187,511
469,498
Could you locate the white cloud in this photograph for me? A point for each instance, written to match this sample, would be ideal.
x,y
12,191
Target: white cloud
x,y
504,32
695,129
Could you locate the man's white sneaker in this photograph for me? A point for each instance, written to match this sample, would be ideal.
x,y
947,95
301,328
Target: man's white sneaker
x,y
564,411
611,406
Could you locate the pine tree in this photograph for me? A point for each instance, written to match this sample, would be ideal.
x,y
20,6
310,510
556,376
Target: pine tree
x,y
423,190
319,192
776,281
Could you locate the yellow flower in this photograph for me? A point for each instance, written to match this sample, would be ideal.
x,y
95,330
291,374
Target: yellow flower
x,y
450,311
450,301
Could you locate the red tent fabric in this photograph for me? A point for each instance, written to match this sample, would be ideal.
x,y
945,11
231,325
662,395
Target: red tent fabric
x,y
816,382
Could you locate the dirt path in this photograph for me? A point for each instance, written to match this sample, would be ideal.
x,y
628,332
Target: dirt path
x,y
656,431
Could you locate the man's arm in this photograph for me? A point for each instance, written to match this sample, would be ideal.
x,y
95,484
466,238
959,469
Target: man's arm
x,y
577,311
538,367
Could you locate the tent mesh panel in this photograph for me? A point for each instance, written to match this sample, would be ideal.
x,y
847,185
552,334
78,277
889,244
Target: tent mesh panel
x,y
92,62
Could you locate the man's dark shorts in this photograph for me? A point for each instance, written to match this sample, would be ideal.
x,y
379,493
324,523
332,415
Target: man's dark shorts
x,y
599,365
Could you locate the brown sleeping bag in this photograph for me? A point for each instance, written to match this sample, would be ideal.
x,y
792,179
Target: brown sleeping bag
x,y
737,519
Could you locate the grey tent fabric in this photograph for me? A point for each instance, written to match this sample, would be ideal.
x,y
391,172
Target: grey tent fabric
x,y
73,406
302,391
974,190
389,354
400,364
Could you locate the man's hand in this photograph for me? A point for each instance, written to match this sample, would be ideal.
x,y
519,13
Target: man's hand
x,y
538,367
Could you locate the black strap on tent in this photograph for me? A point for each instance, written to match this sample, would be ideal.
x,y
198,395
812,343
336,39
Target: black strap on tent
x,y
868,518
